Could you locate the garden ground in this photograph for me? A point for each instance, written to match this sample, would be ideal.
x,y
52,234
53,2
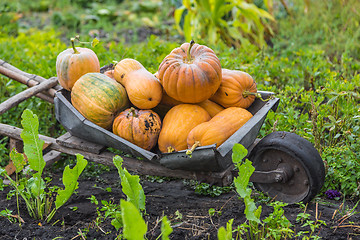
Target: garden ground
x,y
187,211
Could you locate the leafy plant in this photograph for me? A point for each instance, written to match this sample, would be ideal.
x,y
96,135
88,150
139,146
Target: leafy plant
x,y
131,186
234,22
276,225
134,225
34,190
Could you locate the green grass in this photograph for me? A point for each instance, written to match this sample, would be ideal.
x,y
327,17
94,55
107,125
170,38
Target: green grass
x,y
315,57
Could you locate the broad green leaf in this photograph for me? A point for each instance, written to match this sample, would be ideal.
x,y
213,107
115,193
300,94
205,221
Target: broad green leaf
x,y
238,153
130,184
94,42
117,221
70,177
166,229
134,225
36,185
33,146
177,17
251,210
18,159
242,181
226,234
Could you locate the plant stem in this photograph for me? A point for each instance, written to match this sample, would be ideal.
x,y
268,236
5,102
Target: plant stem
x,y
73,46
247,93
170,149
193,147
188,55
133,112
17,198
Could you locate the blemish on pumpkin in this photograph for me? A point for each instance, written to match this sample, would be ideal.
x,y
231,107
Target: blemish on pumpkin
x,y
226,94
123,75
150,99
147,125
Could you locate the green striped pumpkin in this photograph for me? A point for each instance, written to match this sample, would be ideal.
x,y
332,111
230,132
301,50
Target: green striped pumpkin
x,y
99,98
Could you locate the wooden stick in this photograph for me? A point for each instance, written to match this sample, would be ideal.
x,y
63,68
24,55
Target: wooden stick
x,y
29,81
143,167
18,98
28,75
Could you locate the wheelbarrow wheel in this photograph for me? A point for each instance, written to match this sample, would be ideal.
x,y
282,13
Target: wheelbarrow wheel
x,y
307,168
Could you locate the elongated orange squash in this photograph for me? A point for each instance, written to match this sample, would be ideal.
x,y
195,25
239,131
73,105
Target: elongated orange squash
x,y
143,88
211,107
219,128
237,89
140,127
99,98
177,124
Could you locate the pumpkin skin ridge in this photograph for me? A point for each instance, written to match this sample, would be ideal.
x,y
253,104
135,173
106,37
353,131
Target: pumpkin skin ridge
x,y
71,66
178,55
233,85
107,91
96,105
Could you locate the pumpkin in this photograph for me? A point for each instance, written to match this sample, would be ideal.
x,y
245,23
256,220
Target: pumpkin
x,y
191,73
140,127
110,74
211,107
99,98
219,128
143,88
72,63
237,89
165,105
177,124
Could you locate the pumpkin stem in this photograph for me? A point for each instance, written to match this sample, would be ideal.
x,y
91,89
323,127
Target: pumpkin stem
x,y
73,45
188,55
257,95
193,147
133,112
170,149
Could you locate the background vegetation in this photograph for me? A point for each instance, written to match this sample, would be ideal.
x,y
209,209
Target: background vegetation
x,y
309,57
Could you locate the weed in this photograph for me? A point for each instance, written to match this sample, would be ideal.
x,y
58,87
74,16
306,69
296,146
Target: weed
x,y
33,190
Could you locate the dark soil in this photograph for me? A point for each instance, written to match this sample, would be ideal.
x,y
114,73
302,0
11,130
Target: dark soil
x,y
164,198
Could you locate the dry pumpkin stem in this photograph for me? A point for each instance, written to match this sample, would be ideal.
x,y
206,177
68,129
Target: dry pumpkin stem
x,y
170,149
188,55
133,112
193,147
73,45
257,95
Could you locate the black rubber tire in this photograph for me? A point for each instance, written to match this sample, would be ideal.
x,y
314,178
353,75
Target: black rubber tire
x,y
298,150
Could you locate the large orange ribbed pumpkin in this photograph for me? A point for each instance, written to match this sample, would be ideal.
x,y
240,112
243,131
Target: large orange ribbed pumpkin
x,y
72,63
237,89
219,128
140,127
99,98
191,73
143,88
177,124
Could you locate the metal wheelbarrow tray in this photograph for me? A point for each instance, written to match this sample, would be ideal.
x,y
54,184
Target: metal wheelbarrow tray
x,y
287,166
206,158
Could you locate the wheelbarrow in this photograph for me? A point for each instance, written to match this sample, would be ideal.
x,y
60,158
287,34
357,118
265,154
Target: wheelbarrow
x,y
287,166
